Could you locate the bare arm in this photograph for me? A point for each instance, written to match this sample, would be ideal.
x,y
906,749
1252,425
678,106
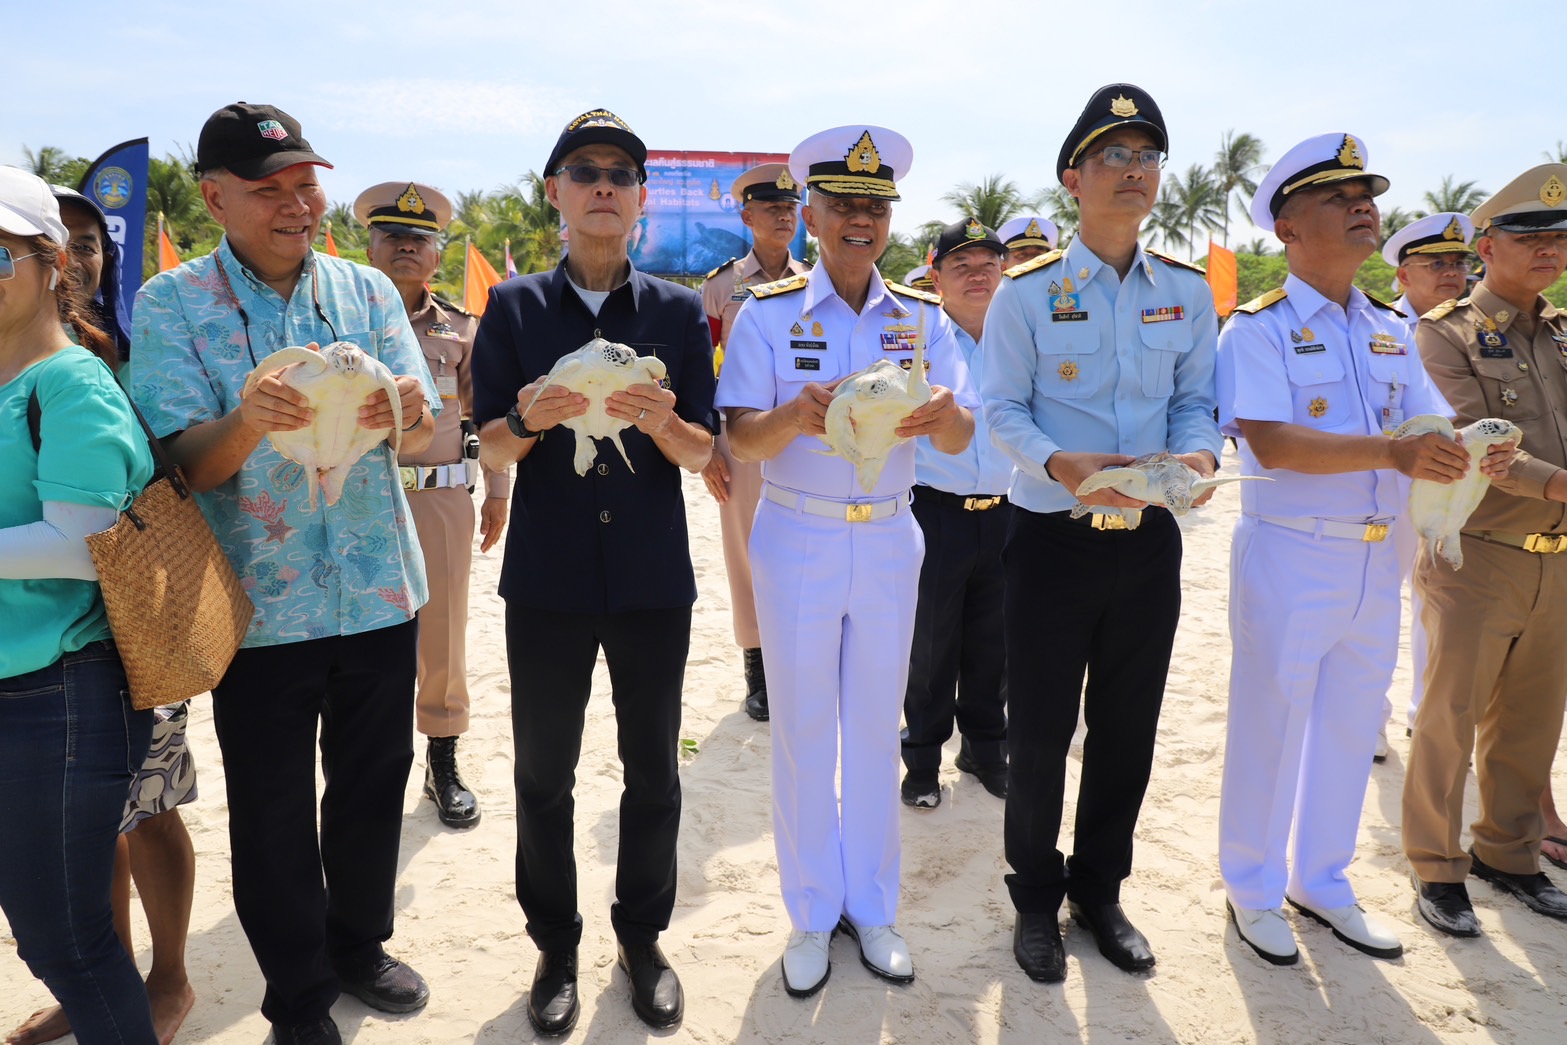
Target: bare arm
x,y
213,452
1279,444
759,435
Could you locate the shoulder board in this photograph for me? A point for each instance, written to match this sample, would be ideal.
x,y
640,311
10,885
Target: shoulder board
x,y
1444,308
450,306
1034,264
1379,303
779,286
910,292
1162,256
721,268
1257,304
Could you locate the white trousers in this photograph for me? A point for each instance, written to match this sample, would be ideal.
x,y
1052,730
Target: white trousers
x,y
835,604
1407,543
1314,623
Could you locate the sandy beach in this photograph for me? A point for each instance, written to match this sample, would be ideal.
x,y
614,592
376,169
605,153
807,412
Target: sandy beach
x,y
460,925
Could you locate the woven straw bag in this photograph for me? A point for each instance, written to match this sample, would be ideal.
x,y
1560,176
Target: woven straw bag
x,y
175,604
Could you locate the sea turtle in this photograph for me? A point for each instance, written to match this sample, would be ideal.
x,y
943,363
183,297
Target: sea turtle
x,y
1439,510
1159,478
337,380
596,370
863,416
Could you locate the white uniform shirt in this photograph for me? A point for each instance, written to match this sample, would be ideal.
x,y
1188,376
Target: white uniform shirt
x,y
1305,361
781,342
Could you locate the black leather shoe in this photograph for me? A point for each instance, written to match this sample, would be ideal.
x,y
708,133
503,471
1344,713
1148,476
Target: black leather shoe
x,y
386,984
1535,890
454,803
1446,906
1037,946
311,1032
656,996
552,1000
1118,939
921,788
993,775
755,703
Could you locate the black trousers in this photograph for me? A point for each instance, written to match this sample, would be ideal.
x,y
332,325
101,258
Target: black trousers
x,y
957,666
551,657
311,904
1105,604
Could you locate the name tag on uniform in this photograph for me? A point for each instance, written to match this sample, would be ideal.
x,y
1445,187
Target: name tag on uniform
x,y
1164,315
807,363
1387,345
1063,309
1309,350
1496,352
446,386
808,346
443,330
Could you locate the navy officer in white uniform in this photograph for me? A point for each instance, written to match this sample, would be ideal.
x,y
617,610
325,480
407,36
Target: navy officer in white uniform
x,y
835,569
1026,237
1314,377
1093,356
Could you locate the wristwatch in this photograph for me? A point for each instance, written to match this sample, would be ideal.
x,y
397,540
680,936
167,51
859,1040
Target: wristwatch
x,y
518,429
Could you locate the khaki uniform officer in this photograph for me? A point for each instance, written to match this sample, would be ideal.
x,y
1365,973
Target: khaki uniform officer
x,y
404,219
1027,237
769,199
1497,667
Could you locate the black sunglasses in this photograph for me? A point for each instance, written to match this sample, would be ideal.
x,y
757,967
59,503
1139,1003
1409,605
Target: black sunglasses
x,y
588,174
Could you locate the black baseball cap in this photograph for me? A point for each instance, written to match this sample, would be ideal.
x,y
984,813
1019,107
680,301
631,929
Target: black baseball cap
x,y
1113,105
962,234
252,142
598,127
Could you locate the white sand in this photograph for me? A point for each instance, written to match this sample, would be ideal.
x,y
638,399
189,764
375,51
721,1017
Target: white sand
x,y
459,923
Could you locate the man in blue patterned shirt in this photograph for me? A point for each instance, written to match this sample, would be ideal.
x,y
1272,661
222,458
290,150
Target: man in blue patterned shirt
x,y
336,585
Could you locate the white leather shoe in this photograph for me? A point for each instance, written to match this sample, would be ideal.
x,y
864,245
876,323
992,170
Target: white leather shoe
x,y
805,964
882,950
1382,749
1351,925
1266,932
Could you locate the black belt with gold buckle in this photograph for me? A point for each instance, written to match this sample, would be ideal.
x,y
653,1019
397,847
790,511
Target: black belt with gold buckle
x,y
973,503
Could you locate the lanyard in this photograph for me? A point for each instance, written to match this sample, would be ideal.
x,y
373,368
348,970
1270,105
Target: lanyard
x,y
244,318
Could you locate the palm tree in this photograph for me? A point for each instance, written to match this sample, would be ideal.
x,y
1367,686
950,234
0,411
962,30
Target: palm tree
x,y
1460,199
1060,207
1257,247
994,201
1557,156
346,230
902,253
172,191
1394,220
1238,159
53,165
1199,201
1168,222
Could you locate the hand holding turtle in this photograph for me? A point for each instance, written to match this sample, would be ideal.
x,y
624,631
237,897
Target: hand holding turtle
x,y
1499,459
1202,463
1430,456
937,415
544,410
272,406
377,412
810,408
650,408
1070,469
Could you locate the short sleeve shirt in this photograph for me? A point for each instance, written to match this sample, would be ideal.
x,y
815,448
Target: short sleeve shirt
x,y
340,569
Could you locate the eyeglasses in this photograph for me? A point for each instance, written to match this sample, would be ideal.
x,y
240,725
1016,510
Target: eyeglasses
x,y
588,174
1440,264
1121,156
8,262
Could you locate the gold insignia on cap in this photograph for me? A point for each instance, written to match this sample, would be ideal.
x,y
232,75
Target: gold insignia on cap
x,y
974,230
1067,370
1122,106
1034,229
863,157
784,181
1553,191
1318,407
410,202
1349,154
1453,230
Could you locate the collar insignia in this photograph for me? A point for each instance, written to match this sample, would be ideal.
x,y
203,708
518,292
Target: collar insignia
x,y
797,330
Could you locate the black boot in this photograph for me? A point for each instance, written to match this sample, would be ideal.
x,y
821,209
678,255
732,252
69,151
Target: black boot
x,y
454,803
755,685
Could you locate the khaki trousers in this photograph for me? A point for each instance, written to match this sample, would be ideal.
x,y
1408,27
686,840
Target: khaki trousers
x,y
734,518
444,520
1496,675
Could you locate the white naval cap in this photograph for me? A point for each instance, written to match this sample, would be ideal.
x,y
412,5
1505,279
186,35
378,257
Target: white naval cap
x,y
1445,233
1315,161
855,160
919,277
1030,230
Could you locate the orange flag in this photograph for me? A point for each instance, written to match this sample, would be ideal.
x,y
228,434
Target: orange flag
x,y
167,258
478,277
1223,278
331,244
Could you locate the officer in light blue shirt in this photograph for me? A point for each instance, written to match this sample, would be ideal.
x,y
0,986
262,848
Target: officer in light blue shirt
x,y
958,663
1092,357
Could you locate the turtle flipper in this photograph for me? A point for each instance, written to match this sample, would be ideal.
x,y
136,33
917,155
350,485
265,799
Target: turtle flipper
x,y
1202,486
1111,478
614,437
284,357
1420,424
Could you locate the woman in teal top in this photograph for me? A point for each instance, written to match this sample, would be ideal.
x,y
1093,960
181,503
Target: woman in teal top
x,y
69,740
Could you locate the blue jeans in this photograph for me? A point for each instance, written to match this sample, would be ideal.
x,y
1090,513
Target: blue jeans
x,y
70,745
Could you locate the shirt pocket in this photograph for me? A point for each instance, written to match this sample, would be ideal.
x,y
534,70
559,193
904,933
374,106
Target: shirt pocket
x,y
1510,393
794,367
1069,365
1322,397
1163,345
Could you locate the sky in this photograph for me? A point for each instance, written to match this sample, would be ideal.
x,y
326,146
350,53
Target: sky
x,y
467,96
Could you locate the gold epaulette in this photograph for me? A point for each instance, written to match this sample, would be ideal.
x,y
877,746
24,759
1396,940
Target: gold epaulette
x,y
450,306
912,292
1444,308
1162,256
1379,303
1035,264
1262,301
779,286
720,268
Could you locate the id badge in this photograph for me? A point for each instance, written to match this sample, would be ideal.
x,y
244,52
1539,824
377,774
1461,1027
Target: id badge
x,y
446,385
1392,417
